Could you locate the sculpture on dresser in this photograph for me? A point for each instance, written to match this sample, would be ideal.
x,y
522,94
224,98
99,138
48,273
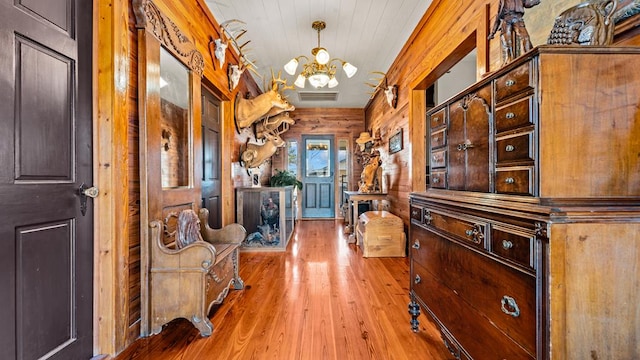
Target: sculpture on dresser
x,y
513,32
591,22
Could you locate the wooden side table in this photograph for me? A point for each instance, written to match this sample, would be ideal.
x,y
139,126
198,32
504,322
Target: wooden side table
x,y
353,197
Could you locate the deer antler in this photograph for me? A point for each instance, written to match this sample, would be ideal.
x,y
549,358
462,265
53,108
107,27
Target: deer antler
x,y
276,81
378,85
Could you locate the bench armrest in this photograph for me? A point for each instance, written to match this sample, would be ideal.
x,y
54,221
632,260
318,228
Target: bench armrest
x,y
232,233
196,256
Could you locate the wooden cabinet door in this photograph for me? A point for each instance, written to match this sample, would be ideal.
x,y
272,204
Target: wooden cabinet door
x,y
468,142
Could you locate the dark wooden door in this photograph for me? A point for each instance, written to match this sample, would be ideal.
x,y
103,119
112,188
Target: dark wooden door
x,y
46,262
211,157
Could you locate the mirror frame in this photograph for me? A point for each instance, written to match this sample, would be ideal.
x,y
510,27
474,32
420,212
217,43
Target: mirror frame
x,y
155,31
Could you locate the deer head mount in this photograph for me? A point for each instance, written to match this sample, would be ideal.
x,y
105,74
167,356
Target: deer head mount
x,y
256,154
269,103
390,92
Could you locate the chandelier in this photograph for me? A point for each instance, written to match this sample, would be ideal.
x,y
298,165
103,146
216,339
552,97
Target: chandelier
x,y
320,71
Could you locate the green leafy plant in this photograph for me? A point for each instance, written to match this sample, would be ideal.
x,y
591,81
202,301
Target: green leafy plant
x,y
285,178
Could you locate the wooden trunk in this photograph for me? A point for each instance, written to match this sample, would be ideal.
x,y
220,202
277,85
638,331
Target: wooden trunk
x,y
381,234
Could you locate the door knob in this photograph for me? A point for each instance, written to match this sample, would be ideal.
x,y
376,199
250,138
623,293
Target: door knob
x,y
84,193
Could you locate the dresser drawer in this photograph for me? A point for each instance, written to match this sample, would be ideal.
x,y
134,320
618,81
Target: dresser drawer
x,y
513,82
517,181
439,138
515,115
472,232
438,119
439,158
515,246
473,295
515,148
438,179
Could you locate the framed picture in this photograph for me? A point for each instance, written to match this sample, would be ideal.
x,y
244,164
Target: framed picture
x,y
395,142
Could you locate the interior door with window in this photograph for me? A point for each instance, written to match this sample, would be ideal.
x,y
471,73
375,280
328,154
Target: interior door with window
x,y
46,226
318,176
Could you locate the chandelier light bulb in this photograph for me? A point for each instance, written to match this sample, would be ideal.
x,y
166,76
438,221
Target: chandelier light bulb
x,y
322,56
333,82
300,81
349,69
291,66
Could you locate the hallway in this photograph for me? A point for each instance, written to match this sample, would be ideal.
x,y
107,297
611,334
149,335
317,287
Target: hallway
x,y
318,300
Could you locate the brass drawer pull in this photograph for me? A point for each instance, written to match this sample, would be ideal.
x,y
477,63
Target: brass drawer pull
x,y
416,245
464,147
476,234
506,244
436,119
418,279
414,213
513,309
510,82
435,180
510,180
509,148
510,115
427,217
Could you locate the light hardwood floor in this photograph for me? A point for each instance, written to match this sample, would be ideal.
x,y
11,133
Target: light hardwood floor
x,y
318,300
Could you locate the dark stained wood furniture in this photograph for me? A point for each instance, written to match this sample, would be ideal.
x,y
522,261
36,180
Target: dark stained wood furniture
x,y
526,244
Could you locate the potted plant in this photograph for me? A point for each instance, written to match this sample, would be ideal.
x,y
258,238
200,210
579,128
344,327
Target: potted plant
x,y
285,178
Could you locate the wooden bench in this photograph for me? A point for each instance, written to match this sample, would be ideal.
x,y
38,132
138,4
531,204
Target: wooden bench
x,y
381,234
191,268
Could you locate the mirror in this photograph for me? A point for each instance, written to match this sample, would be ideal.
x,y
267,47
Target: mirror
x,y
456,79
174,121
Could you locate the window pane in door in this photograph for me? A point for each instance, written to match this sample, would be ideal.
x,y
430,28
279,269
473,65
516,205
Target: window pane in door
x,y
317,158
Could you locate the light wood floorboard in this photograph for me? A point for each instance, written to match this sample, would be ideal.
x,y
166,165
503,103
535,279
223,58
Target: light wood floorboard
x,y
318,300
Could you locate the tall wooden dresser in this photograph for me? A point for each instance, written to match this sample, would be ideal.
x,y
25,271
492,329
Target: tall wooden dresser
x,y
526,243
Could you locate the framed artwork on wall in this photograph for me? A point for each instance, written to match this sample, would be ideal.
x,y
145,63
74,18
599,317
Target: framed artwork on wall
x,y
395,142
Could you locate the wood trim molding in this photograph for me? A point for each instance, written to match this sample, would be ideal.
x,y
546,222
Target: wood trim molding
x,y
149,17
111,148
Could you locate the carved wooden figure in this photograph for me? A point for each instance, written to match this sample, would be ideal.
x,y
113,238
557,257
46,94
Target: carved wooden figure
x,y
510,22
588,23
371,177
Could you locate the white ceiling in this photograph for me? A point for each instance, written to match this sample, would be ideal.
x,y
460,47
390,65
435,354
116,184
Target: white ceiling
x,y
367,33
